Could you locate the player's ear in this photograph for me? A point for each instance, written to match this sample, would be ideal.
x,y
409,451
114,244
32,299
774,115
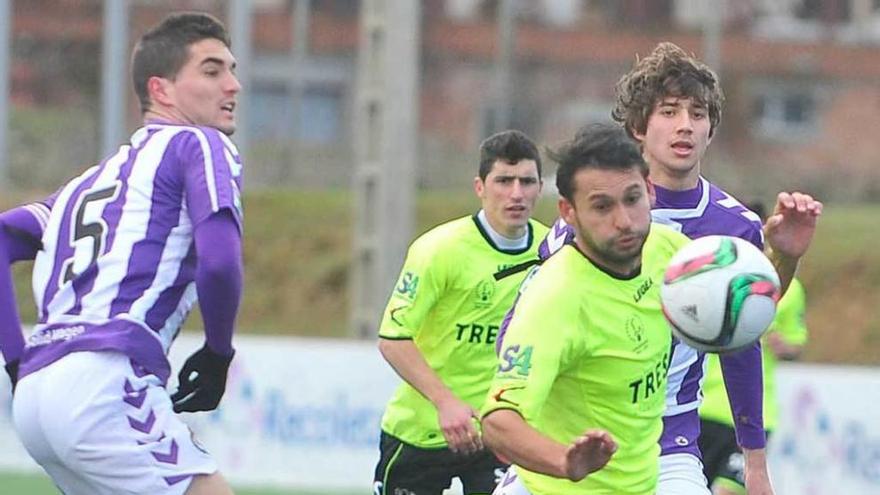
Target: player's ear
x,y
160,90
479,186
566,211
652,193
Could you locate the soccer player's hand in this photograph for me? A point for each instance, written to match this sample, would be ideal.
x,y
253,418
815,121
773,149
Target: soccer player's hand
x,y
589,453
12,371
789,230
457,424
202,381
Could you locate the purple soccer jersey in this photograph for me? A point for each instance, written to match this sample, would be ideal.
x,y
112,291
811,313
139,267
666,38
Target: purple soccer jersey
x,y
704,210
117,267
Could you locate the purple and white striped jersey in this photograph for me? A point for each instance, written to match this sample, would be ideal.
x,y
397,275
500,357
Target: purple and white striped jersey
x,y
704,210
117,267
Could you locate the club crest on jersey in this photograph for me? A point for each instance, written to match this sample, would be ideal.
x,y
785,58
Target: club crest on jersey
x,y
483,293
408,285
635,330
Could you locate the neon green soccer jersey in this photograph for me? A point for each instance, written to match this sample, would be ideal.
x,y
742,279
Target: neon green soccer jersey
x,y
585,350
448,302
789,324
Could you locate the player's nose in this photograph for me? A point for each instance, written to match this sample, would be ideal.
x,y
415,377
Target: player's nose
x,y
233,85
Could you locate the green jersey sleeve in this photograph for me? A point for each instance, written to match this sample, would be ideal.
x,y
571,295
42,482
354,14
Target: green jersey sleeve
x,y
418,289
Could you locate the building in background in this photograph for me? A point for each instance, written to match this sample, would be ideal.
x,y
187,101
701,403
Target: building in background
x,y
801,78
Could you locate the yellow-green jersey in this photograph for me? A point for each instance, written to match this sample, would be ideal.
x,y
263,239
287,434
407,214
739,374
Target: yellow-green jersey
x,y
448,302
586,349
789,324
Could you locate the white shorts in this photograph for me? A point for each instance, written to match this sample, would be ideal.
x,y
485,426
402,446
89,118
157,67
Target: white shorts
x,y
98,426
681,474
510,484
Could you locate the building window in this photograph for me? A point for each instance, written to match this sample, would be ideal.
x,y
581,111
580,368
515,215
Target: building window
x,y
320,116
319,120
781,112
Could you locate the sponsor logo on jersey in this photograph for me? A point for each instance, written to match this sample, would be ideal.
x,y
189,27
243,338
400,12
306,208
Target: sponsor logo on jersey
x,y
396,317
651,382
483,293
499,395
476,333
516,359
408,285
643,289
635,330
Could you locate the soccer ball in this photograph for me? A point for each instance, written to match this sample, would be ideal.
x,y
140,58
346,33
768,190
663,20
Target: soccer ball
x,y
719,293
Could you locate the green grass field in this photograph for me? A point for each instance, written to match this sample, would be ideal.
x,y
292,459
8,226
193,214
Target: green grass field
x,y
18,484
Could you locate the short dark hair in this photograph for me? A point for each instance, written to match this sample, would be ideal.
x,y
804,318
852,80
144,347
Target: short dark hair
x,y
509,146
163,50
666,71
599,146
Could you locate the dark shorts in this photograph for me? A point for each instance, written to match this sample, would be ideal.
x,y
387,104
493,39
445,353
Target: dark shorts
x,y
404,469
722,457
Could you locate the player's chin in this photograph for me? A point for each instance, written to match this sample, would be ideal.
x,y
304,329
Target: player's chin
x,y
517,218
225,125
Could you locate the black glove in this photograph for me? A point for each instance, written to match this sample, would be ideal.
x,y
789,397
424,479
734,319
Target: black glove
x,y
12,371
202,381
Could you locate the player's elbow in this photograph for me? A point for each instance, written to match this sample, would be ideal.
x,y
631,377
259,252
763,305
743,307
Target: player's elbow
x,y
493,426
388,348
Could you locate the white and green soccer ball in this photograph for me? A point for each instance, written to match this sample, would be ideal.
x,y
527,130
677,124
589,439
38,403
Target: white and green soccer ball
x,y
719,293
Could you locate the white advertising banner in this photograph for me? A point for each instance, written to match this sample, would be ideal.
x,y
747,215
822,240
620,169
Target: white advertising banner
x,y
297,413
305,413
828,439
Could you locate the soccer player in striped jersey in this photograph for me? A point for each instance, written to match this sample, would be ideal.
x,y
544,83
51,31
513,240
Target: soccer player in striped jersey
x,y
671,104
578,398
122,253
784,340
441,322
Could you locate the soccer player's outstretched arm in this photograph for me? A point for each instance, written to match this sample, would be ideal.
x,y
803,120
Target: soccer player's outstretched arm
x,y
509,436
21,229
743,379
218,283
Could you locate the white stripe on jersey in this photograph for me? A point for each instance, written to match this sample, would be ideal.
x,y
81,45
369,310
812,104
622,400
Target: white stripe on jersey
x,y
210,180
45,259
172,325
731,202
40,213
668,216
230,147
683,356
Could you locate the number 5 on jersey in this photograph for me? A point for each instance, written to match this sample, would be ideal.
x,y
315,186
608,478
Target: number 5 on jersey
x,y
88,234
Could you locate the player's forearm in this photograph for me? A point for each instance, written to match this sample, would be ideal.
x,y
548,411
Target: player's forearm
x,y
509,436
786,267
743,379
22,231
410,364
11,338
219,279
